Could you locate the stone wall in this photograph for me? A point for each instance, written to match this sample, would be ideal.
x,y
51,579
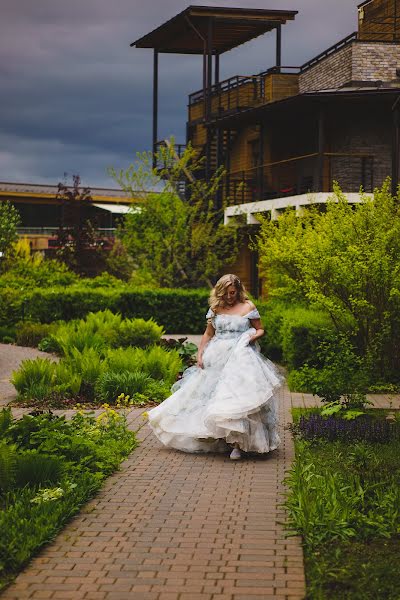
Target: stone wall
x,y
359,133
357,61
332,72
373,61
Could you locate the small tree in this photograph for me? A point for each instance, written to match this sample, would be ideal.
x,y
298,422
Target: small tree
x,y
9,221
347,261
78,243
177,239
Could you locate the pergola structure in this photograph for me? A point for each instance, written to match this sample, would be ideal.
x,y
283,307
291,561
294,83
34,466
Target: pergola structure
x,y
210,31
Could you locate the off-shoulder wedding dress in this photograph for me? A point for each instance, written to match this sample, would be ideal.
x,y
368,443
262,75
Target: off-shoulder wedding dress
x,y
231,400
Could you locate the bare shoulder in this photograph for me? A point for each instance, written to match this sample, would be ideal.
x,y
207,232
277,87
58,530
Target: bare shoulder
x,y
250,304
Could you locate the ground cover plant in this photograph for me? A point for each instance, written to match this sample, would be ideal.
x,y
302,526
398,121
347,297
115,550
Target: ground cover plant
x,y
344,498
49,467
101,357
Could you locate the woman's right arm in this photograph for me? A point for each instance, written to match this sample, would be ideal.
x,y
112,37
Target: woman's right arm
x,y
207,335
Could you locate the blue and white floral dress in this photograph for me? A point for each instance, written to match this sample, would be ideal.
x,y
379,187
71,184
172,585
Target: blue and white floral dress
x,y
233,399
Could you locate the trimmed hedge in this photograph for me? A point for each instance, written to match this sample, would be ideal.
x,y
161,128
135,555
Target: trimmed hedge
x,y
293,334
178,311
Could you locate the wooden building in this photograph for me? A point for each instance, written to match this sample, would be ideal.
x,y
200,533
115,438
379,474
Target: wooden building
x,y
289,131
42,212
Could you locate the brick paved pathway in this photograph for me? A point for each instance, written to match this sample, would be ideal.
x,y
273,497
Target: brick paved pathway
x,y
173,526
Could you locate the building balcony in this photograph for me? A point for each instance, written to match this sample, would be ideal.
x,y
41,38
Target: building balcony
x,y
241,93
298,175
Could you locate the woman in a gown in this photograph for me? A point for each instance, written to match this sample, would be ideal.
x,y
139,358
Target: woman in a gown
x,y
228,401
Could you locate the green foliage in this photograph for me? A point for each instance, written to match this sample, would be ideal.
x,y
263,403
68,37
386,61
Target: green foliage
x,y
110,385
5,420
8,466
138,332
179,241
155,362
8,334
36,469
176,309
339,491
293,333
37,379
343,500
39,370
342,380
45,450
186,350
118,262
30,271
346,262
31,334
9,221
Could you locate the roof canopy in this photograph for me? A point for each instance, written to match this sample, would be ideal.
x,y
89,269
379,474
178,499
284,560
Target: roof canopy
x,y
187,32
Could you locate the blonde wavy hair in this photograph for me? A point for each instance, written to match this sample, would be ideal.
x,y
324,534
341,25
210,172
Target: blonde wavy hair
x,y
217,294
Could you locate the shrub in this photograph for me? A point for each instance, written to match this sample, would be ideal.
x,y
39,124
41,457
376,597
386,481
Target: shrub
x,y
155,362
38,371
176,310
138,332
8,466
111,385
7,334
31,334
36,379
35,469
162,365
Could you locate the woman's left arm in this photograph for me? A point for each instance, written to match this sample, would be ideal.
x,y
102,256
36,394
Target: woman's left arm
x,y
256,323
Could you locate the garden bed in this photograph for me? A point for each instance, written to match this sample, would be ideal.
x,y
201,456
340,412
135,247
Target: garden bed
x,y
49,467
344,500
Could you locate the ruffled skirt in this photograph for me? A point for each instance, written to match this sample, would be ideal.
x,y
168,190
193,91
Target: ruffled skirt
x,y
231,400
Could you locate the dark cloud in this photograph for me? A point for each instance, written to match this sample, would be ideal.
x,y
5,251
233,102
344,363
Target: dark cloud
x,y
75,97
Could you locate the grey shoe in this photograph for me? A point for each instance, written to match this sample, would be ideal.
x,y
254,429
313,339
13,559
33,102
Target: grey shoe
x,y
235,454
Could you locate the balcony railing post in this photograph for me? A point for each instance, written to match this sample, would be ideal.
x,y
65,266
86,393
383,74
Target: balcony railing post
x,y
155,106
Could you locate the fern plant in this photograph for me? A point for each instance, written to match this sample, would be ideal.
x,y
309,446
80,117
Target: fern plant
x,y
31,372
111,385
36,469
8,463
5,420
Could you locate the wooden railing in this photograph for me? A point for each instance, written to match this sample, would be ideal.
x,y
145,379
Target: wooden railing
x,y
300,175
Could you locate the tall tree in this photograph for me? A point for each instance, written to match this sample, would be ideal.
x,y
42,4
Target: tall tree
x,y
177,237
347,261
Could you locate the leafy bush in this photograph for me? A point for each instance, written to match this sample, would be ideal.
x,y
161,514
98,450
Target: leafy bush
x,y
44,449
31,334
36,469
344,261
8,466
186,350
175,310
37,371
342,379
36,379
7,335
138,332
110,385
155,362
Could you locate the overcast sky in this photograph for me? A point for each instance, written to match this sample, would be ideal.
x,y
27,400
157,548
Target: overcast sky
x,y
75,98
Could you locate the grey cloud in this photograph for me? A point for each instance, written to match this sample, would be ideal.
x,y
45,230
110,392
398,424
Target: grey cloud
x,y
75,97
